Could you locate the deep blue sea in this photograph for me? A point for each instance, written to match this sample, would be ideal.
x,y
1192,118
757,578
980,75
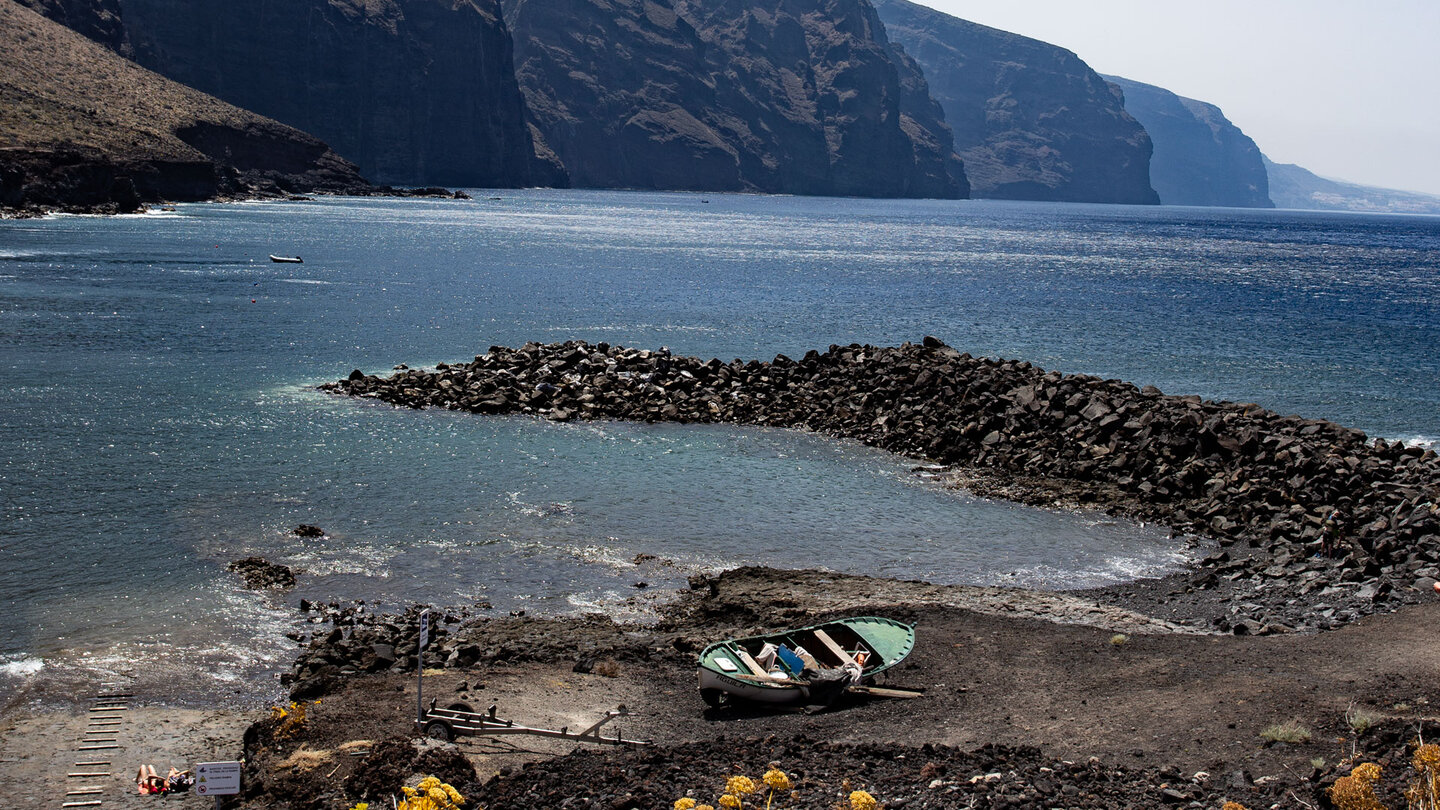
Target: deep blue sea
x,y
157,378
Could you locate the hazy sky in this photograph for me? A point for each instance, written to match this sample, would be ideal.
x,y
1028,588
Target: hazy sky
x,y
1346,88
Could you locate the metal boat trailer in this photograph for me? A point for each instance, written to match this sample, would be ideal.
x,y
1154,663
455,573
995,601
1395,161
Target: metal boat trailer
x,y
460,720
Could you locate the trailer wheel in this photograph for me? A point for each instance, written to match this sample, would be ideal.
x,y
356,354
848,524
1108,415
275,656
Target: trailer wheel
x,y
439,730
714,698
460,706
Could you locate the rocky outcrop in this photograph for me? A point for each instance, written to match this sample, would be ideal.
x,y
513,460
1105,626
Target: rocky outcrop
x,y
1293,186
1315,524
420,92
260,573
84,129
1200,157
790,96
1031,121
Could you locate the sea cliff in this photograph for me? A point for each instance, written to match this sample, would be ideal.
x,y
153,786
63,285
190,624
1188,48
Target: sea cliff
x,y
420,92
1200,157
1030,120
84,129
796,96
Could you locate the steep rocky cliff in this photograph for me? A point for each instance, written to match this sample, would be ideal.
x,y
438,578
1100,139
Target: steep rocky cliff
x,y
923,119
80,127
1200,157
1031,121
97,19
420,91
788,96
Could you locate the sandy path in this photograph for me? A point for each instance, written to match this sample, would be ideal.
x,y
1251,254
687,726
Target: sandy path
x,y
39,748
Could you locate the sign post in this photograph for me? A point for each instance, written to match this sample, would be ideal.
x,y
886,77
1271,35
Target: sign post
x,y
217,779
420,666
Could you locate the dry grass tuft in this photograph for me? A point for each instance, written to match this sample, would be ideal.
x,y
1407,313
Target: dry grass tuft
x,y
306,759
1361,719
1290,731
610,668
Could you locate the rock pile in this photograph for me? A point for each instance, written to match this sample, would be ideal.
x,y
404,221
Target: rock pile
x,y
1315,524
359,641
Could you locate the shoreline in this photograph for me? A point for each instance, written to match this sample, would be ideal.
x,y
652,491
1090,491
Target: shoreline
x,y
1053,689
111,208
1144,711
1118,694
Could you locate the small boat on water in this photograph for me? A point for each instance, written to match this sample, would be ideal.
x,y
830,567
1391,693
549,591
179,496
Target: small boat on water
x,y
286,259
806,666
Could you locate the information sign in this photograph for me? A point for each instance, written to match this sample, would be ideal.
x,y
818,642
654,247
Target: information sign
x,y
217,778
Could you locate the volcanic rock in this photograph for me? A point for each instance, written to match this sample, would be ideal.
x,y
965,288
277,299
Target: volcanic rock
x,y
261,573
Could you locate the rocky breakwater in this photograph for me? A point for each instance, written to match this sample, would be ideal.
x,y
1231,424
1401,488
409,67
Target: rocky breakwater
x,y
1307,524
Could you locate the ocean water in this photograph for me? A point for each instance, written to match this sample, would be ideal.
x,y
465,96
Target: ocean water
x,y
157,380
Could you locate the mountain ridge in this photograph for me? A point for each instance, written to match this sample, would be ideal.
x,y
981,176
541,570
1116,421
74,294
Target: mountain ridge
x,y
1293,186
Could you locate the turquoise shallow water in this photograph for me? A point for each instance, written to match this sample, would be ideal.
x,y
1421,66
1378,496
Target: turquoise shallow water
x,y
161,421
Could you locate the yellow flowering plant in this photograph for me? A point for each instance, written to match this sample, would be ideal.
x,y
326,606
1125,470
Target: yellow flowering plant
x,y
1357,791
431,794
740,785
776,780
737,787
862,800
1424,792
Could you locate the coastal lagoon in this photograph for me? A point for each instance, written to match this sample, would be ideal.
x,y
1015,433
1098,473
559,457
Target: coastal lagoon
x,y
161,417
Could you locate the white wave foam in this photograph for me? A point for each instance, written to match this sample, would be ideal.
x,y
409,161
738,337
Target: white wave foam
x,y
21,667
553,509
302,281
1422,442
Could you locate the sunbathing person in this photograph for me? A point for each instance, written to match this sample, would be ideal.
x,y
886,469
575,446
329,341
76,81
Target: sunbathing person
x,y
178,781
148,782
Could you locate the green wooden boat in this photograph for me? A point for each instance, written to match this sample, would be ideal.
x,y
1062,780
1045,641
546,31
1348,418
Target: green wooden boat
x,y
808,665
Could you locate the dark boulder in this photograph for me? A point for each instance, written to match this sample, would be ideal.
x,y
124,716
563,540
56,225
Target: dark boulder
x,y
261,573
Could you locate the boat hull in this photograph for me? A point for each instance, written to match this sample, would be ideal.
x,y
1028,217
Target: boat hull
x,y
779,694
857,649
